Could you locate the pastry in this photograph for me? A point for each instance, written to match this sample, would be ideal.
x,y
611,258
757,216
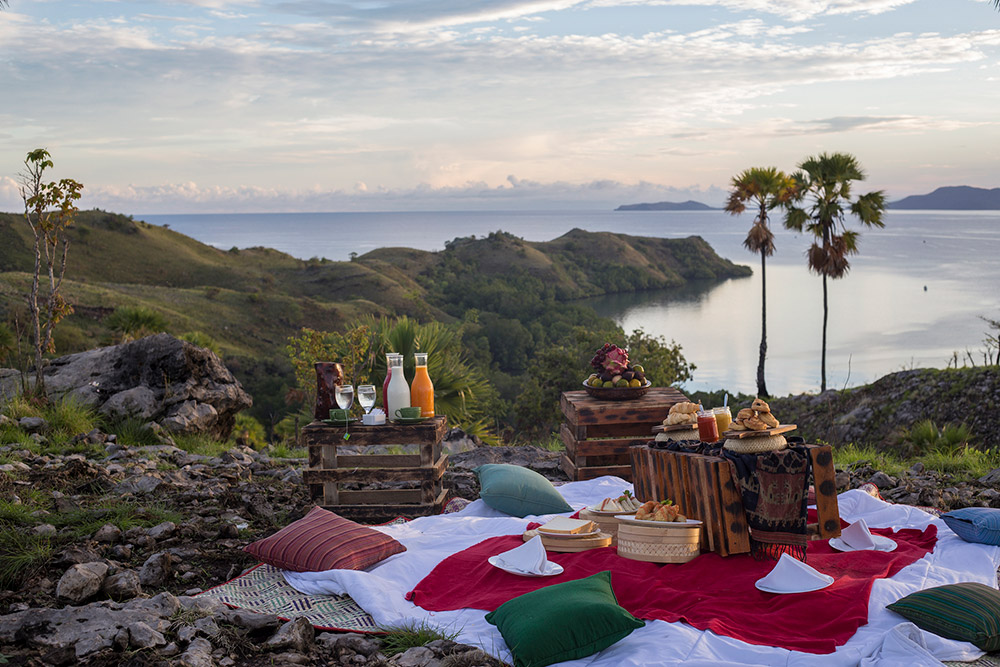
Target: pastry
x,y
760,406
769,419
745,413
737,426
685,407
755,424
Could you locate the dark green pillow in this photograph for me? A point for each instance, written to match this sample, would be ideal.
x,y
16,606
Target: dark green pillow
x,y
518,491
563,622
968,612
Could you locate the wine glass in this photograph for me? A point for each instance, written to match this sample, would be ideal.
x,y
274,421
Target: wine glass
x,y
366,397
345,396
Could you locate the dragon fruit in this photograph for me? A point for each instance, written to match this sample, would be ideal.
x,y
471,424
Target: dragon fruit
x,y
616,360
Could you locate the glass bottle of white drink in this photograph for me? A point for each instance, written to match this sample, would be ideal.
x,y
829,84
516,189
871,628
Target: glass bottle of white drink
x,y
399,391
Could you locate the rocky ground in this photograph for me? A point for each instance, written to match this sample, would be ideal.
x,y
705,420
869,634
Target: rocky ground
x,y
135,533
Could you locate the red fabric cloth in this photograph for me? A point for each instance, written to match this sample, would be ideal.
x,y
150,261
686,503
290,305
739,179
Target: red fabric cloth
x,y
709,593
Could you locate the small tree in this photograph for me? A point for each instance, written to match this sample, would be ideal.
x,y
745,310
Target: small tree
x,y
765,188
49,209
824,187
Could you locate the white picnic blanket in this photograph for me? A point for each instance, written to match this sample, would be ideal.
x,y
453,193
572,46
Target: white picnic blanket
x,y
886,640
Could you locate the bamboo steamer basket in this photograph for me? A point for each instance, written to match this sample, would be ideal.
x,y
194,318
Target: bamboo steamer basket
x,y
669,543
606,522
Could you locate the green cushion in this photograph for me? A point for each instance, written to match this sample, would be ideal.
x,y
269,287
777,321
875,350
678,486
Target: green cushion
x,y
518,491
968,612
563,622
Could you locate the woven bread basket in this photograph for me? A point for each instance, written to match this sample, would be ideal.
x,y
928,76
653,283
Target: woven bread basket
x,y
671,543
767,443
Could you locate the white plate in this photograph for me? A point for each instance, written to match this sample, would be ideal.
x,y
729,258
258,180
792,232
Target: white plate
x,y
819,586
549,533
604,512
881,544
630,518
551,569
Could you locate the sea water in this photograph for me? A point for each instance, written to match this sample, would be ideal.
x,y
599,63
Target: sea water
x,y
915,295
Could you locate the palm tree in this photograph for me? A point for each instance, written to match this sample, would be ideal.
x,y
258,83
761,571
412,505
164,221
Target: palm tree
x,y
767,188
824,187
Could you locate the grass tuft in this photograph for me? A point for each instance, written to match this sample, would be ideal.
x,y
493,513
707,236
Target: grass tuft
x,y
21,555
283,451
201,444
401,638
83,522
133,432
70,417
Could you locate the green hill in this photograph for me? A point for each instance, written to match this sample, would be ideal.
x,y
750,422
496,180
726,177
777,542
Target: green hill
x,y
250,301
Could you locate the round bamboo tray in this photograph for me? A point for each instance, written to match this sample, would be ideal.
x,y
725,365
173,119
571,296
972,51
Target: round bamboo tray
x,y
673,543
607,523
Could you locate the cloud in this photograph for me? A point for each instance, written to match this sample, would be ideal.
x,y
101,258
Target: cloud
x,y
512,194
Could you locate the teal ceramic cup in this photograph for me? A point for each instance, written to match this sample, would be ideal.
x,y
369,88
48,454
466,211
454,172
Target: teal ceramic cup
x,y
412,412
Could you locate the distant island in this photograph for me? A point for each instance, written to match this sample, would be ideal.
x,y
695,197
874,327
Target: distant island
x,y
667,206
952,198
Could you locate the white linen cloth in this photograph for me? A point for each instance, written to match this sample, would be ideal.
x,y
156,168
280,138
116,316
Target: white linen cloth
x,y
529,557
790,575
380,591
857,536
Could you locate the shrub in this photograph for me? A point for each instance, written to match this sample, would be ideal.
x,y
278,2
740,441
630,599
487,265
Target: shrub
x,y
133,322
201,340
248,431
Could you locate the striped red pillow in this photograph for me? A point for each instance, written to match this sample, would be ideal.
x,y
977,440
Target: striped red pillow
x,y
322,540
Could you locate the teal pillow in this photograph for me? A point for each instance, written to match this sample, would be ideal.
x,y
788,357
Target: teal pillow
x,y
518,491
968,612
563,622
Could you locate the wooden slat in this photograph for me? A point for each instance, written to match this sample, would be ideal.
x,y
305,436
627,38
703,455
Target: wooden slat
x,y
825,482
640,464
733,514
369,475
637,429
383,512
568,438
380,496
580,408
427,432
568,467
590,472
607,446
379,461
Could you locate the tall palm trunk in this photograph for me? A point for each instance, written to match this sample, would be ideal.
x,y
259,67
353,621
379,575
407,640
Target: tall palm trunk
x,y
822,367
761,386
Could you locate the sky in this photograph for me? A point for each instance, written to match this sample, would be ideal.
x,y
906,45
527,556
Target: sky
x,y
376,105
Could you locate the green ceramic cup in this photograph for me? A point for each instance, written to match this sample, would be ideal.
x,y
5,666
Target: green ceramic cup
x,y
339,415
412,412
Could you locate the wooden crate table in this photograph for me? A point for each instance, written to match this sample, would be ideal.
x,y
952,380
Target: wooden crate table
x,y
598,434
705,489
330,470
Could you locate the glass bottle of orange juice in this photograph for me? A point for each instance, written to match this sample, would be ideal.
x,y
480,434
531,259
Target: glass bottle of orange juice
x,y
422,389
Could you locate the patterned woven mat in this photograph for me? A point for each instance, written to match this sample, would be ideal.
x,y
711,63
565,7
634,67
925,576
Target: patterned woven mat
x,y
264,590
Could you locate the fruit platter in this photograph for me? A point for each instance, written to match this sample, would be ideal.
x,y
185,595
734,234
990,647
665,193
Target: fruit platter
x,y
615,378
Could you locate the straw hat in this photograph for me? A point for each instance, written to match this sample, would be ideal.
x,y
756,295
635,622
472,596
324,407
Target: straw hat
x,y
767,443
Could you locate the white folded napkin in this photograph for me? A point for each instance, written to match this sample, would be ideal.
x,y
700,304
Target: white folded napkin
x,y
857,536
529,557
373,418
791,575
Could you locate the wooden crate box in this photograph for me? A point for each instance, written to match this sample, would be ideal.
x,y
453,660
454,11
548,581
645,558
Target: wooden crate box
x,y
598,434
331,470
704,488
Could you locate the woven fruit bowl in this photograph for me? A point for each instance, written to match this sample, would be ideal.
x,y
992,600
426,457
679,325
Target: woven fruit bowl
x,y
617,393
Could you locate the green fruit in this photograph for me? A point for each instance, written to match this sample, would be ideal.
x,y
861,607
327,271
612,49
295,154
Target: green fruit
x,y
609,384
638,369
634,383
621,383
596,382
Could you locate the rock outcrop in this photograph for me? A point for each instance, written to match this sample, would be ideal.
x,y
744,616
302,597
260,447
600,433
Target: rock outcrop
x,y
184,388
